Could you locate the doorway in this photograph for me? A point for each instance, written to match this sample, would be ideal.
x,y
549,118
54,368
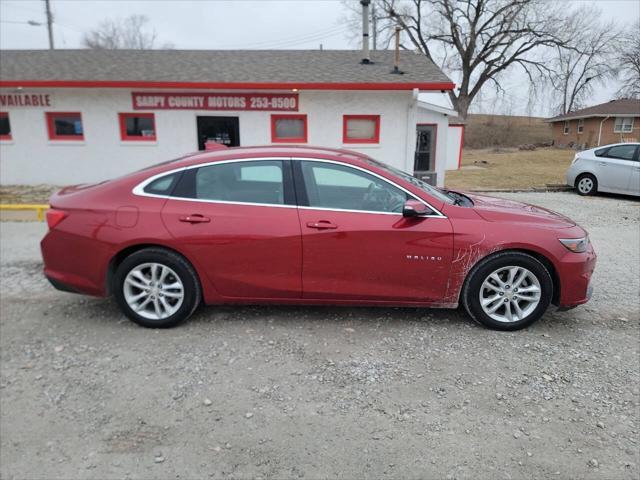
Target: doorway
x,y
223,130
425,157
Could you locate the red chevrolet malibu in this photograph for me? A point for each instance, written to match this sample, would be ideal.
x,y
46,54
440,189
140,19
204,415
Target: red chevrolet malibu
x,y
301,225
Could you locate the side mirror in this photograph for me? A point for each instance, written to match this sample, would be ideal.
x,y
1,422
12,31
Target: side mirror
x,y
414,208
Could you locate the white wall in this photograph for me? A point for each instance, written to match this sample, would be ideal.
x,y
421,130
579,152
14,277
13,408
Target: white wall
x,y
428,116
31,158
454,144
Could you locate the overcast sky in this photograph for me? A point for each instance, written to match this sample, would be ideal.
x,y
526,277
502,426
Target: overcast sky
x,y
266,24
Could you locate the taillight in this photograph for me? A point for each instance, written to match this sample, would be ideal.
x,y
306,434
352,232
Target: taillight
x,y
54,217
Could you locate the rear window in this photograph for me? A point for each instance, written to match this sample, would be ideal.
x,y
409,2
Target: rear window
x,y
163,185
601,152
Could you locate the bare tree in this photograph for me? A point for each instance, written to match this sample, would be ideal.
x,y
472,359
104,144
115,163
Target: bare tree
x,y
128,33
477,41
575,72
629,63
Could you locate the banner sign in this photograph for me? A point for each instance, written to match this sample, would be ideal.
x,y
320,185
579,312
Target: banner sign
x,y
215,101
25,100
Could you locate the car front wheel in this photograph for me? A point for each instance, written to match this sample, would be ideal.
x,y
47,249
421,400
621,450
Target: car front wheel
x,y
508,291
156,288
586,184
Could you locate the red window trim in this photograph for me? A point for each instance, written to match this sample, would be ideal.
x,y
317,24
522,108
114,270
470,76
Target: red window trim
x,y
376,134
6,137
122,117
51,129
275,118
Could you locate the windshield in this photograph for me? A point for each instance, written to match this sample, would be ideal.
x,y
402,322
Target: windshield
x,y
422,185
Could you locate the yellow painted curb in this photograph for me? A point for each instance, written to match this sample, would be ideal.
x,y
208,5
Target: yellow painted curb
x,y
26,206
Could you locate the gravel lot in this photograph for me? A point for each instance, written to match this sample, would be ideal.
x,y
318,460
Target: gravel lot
x,y
285,392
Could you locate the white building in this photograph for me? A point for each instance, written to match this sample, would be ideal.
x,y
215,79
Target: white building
x,y
76,116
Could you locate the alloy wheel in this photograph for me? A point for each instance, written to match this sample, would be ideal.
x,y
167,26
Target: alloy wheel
x,y
585,185
154,291
510,294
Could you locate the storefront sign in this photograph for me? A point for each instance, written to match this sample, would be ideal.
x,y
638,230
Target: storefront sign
x,y
25,100
215,101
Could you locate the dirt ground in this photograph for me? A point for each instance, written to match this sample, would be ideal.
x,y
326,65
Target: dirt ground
x,y
282,392
510,169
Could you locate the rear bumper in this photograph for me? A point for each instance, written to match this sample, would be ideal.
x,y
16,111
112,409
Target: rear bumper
x,y
570,176
73,263
575,274
63,287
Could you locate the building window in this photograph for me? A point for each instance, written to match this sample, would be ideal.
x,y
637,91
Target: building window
x,y
361,129
565,131
5,126
65,126
623,125
580,125
137,127
289,128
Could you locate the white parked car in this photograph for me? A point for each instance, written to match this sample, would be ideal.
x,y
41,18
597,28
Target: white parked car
x,y
612,168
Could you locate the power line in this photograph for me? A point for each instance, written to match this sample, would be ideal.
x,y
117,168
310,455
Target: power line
x,y
292,41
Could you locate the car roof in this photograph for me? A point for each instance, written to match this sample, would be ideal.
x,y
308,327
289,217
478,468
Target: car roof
x,y
615,145
267,151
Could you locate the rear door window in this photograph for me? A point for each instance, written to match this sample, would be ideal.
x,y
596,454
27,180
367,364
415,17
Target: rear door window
x,y
258,182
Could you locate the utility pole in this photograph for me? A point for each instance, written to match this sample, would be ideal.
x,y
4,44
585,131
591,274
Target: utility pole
x,y
374,21
49,23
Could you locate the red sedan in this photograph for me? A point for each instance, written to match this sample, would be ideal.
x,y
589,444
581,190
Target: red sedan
x,y
301,225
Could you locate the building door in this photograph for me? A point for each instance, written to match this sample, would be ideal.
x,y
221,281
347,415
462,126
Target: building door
x,y
425,156
224,130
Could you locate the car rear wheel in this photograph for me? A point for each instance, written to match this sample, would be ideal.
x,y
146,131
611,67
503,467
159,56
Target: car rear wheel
x,y
508,291
586,184
156,288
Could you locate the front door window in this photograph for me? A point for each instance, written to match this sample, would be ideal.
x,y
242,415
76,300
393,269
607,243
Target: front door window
x,y
335,186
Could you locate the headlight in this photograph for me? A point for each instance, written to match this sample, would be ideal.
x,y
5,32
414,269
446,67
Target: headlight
x,y
575,159
576,245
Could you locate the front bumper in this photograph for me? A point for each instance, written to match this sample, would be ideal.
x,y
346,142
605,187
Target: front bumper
x,y
575,271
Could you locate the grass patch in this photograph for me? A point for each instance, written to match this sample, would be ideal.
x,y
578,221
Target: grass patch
x,y
485,131
26,193
510,169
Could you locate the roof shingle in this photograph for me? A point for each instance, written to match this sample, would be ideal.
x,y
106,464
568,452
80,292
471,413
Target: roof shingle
x,y
625,106
224,66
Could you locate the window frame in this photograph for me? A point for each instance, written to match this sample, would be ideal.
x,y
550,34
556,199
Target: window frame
x,y
51,127
621,129
580,126
566,128
294,198
274,120
122,121
9,137
376,134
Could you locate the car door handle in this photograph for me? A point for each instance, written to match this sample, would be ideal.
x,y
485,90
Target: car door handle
x,y
322,225
603,164
195,218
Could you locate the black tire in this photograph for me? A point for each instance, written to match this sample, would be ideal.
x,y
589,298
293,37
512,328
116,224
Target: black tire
x,y
484,268
589,185
179,265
